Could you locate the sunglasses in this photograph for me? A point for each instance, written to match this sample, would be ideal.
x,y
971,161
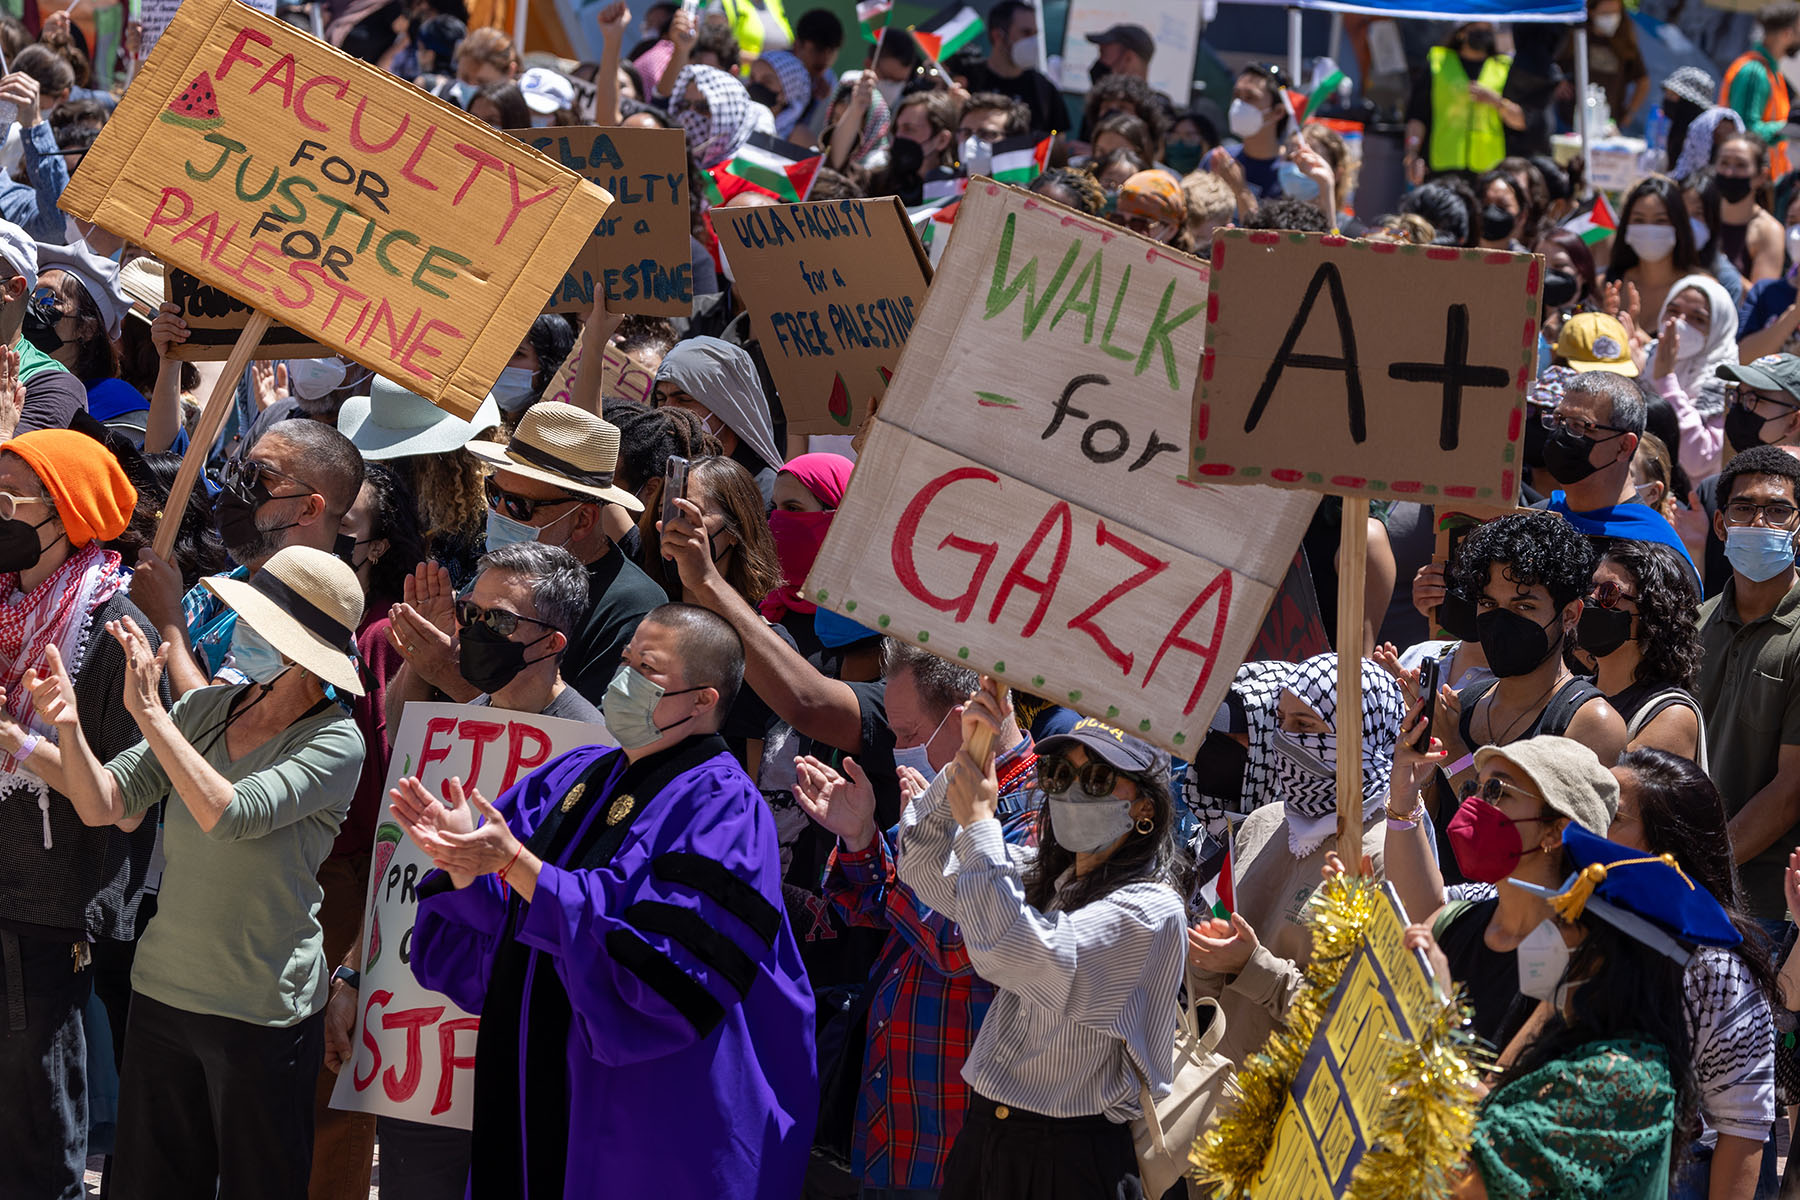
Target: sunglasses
x,y
522,508
1608,595
1056,775
500,620
245,476
1493,790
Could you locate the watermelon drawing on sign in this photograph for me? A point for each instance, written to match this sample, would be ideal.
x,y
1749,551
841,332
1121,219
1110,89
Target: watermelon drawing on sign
x,y
839,405
387,841
196,107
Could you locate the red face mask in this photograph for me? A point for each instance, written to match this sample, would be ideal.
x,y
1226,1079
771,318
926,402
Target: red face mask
x,y
798,537
1485,841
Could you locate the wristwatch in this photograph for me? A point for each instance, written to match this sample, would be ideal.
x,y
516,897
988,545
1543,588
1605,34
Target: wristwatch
x,y
352,978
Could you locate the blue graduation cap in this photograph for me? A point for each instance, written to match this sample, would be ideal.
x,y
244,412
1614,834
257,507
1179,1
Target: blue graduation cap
x,y
1647,897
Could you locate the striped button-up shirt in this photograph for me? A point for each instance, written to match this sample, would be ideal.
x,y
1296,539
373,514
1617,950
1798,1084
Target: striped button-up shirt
x,y
1087,998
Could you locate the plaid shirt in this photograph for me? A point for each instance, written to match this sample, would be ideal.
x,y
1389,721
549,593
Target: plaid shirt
x,y
927,1006
210,625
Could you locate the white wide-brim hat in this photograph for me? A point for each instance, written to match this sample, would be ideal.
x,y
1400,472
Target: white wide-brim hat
x,y
391,422
307,604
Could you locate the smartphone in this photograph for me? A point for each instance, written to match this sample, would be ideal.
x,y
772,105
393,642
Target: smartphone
x,y
691,8
1430,674
674,487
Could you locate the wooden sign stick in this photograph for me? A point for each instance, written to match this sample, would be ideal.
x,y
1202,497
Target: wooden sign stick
x,y
1353,556
206,431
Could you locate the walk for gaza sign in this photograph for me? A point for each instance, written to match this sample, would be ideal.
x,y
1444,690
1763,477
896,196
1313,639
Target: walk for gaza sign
x,y
834,289
1366,368
415,1049
1020,506
353,207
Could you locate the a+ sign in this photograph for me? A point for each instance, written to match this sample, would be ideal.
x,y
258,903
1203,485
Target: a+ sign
x,y
1454,373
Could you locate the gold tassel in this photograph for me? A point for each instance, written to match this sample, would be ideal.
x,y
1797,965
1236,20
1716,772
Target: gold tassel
x,y
1573,902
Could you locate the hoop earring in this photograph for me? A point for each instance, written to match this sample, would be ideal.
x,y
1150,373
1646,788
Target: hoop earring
x,y
1145,825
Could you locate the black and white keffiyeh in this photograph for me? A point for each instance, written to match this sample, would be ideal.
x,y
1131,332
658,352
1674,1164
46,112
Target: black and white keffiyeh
x,y
719,131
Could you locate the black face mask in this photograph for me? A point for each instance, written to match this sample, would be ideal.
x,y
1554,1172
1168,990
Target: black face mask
x,y
906,158
1478,43
1514,645
1560,290
41,321
1744,429
1535,436
1496,223
1602,630
235,514
763,94
19,549
1732,188
1681,114
1098,71
488,661
1568,457
1218,769
1456,617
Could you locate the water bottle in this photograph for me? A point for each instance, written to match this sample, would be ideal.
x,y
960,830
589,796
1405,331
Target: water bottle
x,y
1656,130
977,157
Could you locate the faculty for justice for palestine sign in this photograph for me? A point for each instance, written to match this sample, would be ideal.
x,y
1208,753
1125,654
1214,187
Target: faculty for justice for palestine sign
x,y
638,258
1020,507
1366,368
414,1048
353,207
834,289
1337,1097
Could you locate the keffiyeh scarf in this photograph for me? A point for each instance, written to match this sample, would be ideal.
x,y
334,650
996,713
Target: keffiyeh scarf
x,y
719,131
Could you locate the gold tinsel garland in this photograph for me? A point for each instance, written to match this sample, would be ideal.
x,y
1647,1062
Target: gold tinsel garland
x,y
1423,1135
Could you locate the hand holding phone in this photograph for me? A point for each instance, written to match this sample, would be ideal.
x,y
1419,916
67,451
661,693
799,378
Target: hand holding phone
x,y
674,487
1430,674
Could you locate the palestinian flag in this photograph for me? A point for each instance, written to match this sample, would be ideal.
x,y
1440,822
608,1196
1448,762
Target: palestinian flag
x,y
940,190
1217,894
872,15
948,32
780,168
1020,160
1596,224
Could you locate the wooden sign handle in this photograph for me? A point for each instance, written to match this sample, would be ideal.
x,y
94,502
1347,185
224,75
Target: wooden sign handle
x,y
1353,555
206,431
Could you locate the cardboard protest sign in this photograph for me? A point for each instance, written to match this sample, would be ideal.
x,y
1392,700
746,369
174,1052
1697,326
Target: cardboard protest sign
x,y
355,208
637,258
834,288
1383,999
155,15
415,1049
1020,507
620,379
215,318
1366,368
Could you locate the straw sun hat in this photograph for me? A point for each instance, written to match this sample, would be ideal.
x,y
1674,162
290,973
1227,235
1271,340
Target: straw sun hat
x,y
307,604
564,445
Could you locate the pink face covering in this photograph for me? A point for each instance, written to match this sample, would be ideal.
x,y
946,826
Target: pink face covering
x,y
798,536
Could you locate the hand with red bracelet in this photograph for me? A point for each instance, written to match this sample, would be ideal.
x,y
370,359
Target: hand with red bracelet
x,y
446,830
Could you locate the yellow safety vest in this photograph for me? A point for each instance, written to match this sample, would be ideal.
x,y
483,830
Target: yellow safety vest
x,y
1465,135
759,25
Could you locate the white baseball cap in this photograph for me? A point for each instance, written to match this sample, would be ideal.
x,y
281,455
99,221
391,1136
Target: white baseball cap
x,y
17,248
546,91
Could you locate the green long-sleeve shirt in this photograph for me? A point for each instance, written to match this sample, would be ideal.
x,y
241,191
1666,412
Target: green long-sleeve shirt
x,y
1749,95
236,932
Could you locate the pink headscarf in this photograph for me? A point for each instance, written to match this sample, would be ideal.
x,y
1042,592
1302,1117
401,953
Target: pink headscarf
x,y
799,535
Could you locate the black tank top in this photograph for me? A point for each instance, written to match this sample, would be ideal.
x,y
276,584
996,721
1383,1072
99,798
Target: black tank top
x,y
1734,245
1553,720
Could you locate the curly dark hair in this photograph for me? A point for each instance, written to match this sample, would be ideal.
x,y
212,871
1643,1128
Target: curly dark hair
x,y
1089,196
1151,857
1668,634
1535,548
1288,213
1134,91
199,551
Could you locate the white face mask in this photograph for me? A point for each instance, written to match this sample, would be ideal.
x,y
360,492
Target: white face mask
x,y
1688,340
1084,826
513,390
918,757
314,378
1244,118
1024,52
1543,961
1702,234
1607,24
1652,243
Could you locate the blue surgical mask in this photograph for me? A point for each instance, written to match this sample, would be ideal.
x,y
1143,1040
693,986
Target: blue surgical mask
x,y
629,707
1295,184
1759,554
917,757
1702,234
513,390
252,654
502,530
1084,826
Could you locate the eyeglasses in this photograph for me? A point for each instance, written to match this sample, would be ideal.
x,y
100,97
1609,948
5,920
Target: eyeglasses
x,y
1142,225
9,504
501,621
1742,395
1057,775
1777,514
1608,594
245,475
522,508
1492,791
1579,426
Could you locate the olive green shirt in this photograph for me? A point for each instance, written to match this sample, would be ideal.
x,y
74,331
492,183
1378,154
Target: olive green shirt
x,y
236,932
1749,695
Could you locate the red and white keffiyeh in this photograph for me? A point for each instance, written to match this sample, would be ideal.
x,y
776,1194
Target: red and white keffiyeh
x,y
57,612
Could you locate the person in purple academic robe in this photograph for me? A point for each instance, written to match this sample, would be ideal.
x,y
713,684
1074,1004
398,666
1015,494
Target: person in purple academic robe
x,y
616,919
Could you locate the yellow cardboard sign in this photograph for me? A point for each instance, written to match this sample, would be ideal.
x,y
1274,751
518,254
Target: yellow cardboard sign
x,y
339,200
1385,996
